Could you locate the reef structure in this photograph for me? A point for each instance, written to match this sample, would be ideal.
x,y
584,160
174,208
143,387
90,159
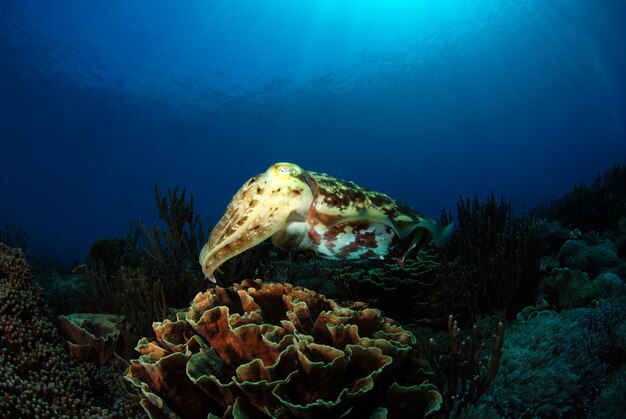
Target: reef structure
x,y
38,378
274,350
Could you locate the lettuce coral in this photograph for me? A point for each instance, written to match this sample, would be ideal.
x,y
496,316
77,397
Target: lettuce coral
x,y
267,349
91,336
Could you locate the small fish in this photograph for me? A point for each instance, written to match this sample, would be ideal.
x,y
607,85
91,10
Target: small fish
x,y
332,218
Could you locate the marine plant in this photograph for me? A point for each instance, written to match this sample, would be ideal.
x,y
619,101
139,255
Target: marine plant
x,y
174,249
463,373
13,235
259,350
596,207
492,261
149,270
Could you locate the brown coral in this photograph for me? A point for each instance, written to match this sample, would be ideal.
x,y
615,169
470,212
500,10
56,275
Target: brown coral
x,y
283,351
91,336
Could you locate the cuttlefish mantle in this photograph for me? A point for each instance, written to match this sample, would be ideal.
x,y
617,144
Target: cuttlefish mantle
x,y
332,218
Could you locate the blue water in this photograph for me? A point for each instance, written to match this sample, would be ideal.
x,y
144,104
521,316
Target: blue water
x,y
423,100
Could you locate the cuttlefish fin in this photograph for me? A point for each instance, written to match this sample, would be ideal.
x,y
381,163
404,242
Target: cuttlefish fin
x,y
440,234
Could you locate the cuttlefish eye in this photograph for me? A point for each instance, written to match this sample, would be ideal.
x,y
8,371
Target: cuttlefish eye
x,y
287,169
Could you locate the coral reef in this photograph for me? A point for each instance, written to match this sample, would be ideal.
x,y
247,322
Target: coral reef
x,y
130,293
585,269
38,377
276,350
611,403
141,275
89,336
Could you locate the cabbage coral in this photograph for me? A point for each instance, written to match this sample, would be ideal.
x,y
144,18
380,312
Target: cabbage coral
x,y
281,351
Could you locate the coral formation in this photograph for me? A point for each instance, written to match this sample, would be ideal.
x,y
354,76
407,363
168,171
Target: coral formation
x,y
174,249
584,270
38,378
411,292
282,351
592,255
554,362
91,336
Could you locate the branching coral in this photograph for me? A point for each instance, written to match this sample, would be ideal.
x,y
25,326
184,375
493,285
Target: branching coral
x,y
37,376
271,349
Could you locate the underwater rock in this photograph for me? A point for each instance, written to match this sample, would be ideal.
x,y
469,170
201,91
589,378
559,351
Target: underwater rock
x,y
267,349
91,336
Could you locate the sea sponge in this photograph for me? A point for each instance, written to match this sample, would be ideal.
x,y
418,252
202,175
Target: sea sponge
x,y
282,351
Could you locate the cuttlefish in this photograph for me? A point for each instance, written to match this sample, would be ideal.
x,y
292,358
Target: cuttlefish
x,y
332,218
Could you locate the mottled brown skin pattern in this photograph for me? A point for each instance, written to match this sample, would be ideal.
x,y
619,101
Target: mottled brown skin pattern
x,y
342,195
225,227
334,198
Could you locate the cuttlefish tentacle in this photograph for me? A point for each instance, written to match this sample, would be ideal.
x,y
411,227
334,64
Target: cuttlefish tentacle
x,y
332,218
260,209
